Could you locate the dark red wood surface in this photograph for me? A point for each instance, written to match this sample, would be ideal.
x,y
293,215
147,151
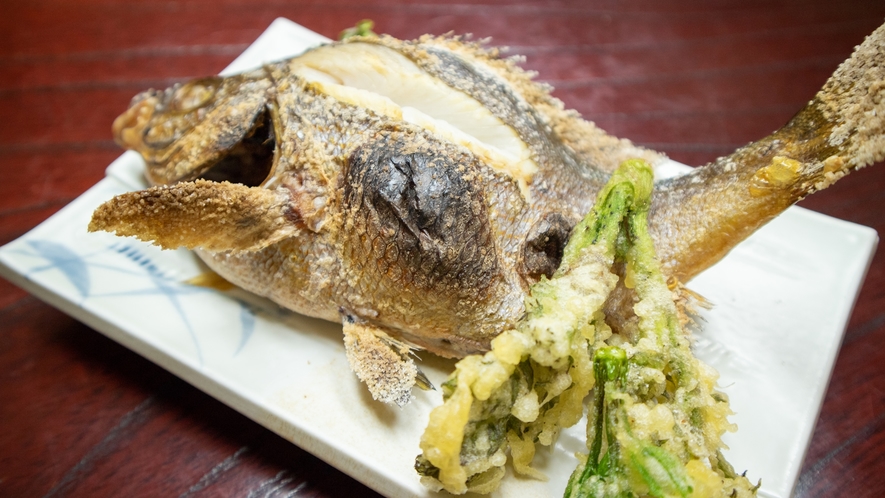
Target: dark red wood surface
x,y
82,416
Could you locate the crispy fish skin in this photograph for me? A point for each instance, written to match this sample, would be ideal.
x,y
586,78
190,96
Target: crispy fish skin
x,y
384,210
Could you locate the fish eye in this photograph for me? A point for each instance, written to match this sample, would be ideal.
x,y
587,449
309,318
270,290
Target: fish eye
x,y
544,246
176,107
162,134
193,95
149,127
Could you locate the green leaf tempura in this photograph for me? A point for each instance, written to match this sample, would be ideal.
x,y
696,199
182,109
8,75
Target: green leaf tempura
x,y
655,420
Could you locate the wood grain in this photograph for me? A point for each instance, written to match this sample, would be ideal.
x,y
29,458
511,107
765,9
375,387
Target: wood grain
x,y
83,416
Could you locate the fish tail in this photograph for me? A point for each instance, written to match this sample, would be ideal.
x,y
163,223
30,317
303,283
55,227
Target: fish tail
x,y
696,219
852,103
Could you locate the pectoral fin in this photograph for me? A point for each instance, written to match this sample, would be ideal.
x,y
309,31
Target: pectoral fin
x,y
202,214
383,363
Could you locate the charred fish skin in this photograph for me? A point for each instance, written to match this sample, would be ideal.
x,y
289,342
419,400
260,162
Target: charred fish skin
x,y
425,227
366,196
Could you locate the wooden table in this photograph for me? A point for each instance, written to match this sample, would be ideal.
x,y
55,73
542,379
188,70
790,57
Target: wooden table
x,y
83,416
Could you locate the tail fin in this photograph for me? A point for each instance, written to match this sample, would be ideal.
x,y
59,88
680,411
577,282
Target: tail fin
x,y
696,219
853,100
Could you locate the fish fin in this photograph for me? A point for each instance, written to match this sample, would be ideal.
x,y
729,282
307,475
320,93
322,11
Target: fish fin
x,y
210,280
407,350
853,99
383,363
688,304
698,217
202,214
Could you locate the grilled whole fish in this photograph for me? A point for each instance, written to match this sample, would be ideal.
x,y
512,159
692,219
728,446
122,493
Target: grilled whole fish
x,y
414,190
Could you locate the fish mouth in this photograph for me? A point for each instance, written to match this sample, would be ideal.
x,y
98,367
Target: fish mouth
x,y
129,128
250,161
203,129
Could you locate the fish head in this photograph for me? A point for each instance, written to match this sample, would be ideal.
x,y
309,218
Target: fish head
x,y
212,128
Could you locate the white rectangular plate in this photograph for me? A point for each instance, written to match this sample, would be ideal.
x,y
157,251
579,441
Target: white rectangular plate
x,y
783,299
